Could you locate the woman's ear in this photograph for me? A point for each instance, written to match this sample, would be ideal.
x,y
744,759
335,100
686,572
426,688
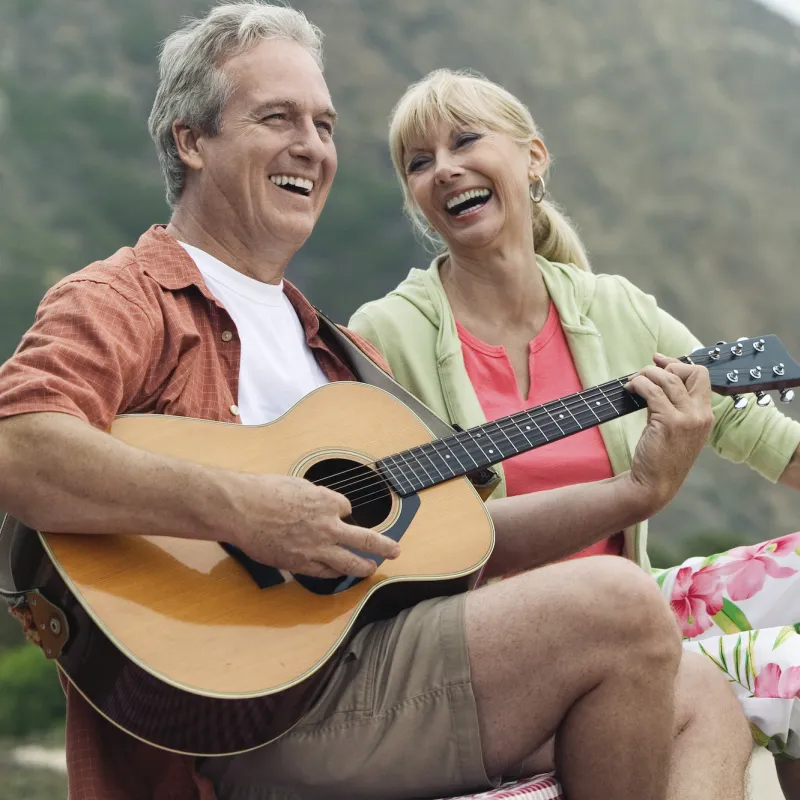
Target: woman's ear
x,y
539,158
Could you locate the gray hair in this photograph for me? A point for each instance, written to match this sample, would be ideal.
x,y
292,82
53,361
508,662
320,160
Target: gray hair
x,y
192,85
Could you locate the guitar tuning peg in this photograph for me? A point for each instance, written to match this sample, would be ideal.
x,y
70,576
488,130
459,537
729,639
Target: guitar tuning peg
x,y
787,395
763,399
739,402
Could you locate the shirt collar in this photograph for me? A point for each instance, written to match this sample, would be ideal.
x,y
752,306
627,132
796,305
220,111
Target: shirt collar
x,y
164,260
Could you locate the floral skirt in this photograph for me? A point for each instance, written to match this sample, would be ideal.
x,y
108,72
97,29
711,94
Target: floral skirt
x,y
741,609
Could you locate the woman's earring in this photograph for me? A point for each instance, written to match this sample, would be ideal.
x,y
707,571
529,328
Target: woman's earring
x,y
537,189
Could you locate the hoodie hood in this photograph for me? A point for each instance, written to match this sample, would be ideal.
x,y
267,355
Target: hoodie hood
x,y
571,289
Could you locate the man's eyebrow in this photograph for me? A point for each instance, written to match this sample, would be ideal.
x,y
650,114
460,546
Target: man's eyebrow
x,y
294,106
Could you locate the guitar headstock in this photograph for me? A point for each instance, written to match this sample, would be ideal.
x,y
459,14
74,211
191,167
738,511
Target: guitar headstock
x,y
755,365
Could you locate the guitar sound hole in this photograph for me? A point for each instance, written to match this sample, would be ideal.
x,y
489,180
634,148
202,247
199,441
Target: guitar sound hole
x,y
369,495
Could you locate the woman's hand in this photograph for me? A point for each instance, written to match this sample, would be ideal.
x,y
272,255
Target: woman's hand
x,y
679,421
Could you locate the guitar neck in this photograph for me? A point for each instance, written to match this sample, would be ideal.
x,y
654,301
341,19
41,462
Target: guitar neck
x,y
469,451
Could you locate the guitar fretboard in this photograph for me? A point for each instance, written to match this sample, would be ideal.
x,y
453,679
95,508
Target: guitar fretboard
x,y
477,448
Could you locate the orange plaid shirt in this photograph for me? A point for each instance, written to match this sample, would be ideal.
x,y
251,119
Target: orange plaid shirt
x,y
137,333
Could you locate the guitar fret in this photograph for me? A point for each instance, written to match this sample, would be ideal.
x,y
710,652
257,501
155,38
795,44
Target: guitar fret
x,y
555,421
634,397
522,432
569,411
480,447
419,478
530,418
605,397
389,462
445,459
586,403
451,452
424,450
464,446
516,449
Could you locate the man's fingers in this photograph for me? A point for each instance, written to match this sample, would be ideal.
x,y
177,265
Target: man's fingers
x,y
317,569
345,562
368,541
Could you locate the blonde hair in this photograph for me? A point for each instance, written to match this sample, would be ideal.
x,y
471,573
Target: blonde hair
x,y
193,87
464,97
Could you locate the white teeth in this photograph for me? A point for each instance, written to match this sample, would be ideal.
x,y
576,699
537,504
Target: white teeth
x,y
301,183
469,194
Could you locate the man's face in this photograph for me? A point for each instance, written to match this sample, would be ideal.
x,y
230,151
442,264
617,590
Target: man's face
x,y
270,168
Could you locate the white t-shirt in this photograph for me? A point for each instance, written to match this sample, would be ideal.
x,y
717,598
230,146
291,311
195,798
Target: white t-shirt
x,y
277,366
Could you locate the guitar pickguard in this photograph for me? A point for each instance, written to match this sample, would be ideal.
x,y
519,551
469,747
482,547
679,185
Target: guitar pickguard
x,y
266,576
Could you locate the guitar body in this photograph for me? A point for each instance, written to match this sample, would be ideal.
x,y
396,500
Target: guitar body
x,y
175,641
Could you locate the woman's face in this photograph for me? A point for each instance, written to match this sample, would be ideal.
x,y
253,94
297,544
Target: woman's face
x,y
472,185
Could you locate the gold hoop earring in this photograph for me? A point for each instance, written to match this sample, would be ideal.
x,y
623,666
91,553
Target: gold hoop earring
x,y
537,189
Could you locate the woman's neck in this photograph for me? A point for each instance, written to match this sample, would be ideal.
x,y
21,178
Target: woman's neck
x,y
504,287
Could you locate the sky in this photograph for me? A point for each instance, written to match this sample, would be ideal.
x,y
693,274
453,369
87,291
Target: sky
x,y
789,8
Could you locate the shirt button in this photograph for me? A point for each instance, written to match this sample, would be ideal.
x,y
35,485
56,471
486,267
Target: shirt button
x,y
235,410
226,336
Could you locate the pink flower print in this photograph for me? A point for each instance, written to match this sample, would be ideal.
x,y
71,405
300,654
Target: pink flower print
x,y
772,682
751,565
696,597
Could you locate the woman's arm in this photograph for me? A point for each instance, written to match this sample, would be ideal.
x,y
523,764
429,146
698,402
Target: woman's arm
x,y
541,527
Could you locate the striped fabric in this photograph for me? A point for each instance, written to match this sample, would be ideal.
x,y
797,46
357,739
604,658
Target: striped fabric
x,y
540,787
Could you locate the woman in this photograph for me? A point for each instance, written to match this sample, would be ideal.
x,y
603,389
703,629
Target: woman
x,y
510,316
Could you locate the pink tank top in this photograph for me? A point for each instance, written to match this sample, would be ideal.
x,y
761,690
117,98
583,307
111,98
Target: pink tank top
x,y
579,458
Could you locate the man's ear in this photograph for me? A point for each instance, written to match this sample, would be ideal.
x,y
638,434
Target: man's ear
x,y
539,158
187,140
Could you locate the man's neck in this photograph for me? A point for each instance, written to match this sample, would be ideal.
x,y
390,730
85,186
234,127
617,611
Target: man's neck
x,y
226,246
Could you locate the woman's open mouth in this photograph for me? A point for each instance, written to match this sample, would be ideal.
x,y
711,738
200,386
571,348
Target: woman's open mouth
x,y
468,202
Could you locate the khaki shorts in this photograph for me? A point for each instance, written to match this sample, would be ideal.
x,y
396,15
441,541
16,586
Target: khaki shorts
x,y
397,720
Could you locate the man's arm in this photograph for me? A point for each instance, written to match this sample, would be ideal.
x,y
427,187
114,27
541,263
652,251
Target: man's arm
x,y
59,474
542,527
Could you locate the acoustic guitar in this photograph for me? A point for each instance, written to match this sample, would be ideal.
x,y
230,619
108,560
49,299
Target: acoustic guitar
x,y
192,647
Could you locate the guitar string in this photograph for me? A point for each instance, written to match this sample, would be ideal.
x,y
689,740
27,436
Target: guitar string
x,y
509,424
373,479
535,415
506,424
544,422
549,423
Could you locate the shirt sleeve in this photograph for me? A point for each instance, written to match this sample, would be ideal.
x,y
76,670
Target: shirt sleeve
x,y
86,354
761,436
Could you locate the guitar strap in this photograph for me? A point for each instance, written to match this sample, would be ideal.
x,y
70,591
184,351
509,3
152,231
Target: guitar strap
x,y
367,371
14,535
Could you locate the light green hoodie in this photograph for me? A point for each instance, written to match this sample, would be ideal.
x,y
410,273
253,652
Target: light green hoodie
x,y
612,328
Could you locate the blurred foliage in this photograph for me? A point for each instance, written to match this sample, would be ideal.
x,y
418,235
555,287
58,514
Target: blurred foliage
x,y
31,697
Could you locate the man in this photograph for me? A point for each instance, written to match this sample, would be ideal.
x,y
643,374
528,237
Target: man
x,y
196,320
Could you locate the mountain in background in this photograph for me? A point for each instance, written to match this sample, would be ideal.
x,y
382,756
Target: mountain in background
x,y
674,128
